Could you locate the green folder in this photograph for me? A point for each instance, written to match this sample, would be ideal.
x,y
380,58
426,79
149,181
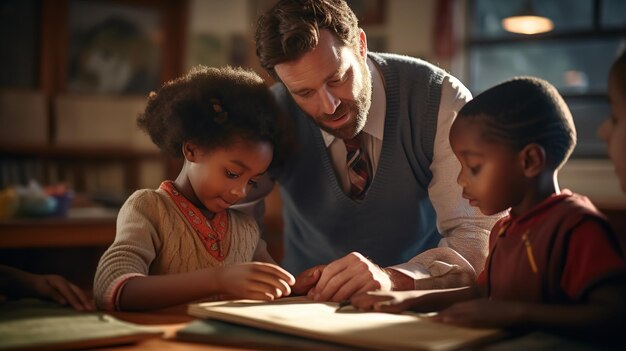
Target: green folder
x,y
33,324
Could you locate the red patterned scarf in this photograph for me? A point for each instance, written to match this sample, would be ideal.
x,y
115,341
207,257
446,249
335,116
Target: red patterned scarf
x,y
211,232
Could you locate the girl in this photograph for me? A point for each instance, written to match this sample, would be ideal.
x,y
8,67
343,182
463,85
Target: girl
x,y
554,262
181,243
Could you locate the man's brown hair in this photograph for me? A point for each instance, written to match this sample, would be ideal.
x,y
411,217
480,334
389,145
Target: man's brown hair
x,y
291,28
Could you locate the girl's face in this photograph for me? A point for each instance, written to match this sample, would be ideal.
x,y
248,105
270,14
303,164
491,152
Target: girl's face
x,y
491,174
223,176
613,129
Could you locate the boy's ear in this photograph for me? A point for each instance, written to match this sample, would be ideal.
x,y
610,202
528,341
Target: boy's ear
x,y
190,151
533,159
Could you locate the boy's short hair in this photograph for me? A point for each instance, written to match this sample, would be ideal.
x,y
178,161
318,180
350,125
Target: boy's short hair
x,y
526,110
214,107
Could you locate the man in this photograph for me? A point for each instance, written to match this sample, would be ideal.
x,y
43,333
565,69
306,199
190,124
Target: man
x,y
374,178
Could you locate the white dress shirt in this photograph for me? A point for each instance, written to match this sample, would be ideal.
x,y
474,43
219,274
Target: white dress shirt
x,y
463,228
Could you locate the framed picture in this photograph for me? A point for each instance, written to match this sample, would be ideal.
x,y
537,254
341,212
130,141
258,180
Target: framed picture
x,y
113,48
369,12
19,35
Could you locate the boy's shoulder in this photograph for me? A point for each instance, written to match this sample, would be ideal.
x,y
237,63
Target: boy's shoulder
x,y
577,204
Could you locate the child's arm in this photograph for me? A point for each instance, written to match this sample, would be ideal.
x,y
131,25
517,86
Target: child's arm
x,y
18,283
414,300
254,280
593,275
261,254
601,314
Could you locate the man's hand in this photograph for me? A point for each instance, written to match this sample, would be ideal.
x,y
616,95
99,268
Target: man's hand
x,y
347,276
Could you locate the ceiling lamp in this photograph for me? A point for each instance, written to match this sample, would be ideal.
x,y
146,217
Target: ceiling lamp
x,y
527,21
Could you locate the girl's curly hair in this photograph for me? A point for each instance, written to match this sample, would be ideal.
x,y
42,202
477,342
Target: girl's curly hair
x,y
214,107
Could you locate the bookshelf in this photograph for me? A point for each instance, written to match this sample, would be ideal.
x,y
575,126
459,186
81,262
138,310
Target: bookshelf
x,y
73,165
54,132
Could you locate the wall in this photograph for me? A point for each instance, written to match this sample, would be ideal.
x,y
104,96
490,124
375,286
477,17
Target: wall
x,y
408,29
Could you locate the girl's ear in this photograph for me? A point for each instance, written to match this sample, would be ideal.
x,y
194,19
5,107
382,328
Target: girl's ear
x,y
190,151
533,159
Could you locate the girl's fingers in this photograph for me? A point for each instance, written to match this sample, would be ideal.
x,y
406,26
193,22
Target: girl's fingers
x,y
276,271
270,283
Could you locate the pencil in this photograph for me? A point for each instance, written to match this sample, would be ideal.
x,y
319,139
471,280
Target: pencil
x,y
529,252
343,304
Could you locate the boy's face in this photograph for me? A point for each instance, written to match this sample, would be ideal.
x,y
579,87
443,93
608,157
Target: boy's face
x,y
613,129
491,174
221,177
331,84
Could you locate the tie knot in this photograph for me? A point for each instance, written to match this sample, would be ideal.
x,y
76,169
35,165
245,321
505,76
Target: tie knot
x,y
352,144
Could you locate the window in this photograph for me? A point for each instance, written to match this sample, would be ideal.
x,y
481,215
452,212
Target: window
x,y
575,56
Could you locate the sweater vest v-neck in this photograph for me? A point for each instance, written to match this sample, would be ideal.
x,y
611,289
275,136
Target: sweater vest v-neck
x,y
395,220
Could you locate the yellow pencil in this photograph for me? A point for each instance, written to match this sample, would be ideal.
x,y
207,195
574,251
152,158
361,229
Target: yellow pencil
x,y
529,252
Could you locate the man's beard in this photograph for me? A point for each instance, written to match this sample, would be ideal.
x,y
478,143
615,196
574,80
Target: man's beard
x,y
359,107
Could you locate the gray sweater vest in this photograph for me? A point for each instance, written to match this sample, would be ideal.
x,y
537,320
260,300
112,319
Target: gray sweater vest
x,y
395,220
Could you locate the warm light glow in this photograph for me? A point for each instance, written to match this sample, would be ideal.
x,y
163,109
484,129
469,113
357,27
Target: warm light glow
x,y
527,24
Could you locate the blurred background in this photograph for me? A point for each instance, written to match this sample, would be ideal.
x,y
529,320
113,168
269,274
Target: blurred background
x,y
76,73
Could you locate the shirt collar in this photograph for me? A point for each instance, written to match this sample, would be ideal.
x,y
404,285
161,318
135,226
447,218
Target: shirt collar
x,y
375,124
542,206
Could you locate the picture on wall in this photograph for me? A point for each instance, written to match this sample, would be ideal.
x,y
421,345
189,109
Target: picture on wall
x,y
113,48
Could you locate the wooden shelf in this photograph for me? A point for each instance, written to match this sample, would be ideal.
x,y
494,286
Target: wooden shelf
x,y
56,232
61,152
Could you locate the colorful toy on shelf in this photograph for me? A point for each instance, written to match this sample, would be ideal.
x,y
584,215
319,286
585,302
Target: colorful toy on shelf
x,y
63,197
34,200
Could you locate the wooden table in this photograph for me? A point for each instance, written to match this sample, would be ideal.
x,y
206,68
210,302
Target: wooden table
x,y
171,320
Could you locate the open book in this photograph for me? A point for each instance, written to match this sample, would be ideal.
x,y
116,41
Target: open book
x,y
323,321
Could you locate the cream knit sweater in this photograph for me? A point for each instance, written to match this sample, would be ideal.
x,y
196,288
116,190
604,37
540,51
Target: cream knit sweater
x,y
153,237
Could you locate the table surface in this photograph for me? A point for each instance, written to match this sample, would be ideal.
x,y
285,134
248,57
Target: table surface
x,y
172,319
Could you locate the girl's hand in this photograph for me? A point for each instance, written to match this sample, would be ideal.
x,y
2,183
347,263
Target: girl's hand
x,y
255,280
58,289
482,313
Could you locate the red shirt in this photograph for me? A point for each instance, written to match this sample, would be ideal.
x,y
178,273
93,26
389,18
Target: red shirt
x,y
555,252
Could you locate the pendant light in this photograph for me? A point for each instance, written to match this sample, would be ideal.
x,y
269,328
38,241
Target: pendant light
x,y
527,21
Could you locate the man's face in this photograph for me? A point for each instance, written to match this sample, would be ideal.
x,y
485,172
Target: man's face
x,y
331,84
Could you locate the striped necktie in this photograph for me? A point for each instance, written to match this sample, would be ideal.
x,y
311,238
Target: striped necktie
x,y
358,169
